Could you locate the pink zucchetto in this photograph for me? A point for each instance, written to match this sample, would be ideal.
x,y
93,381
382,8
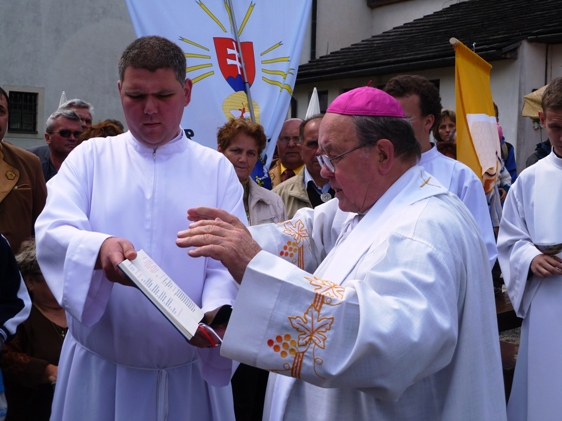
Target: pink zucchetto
x,y
366,101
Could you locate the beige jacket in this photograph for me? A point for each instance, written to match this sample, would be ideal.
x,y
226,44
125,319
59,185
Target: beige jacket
x,y
264,205
293,193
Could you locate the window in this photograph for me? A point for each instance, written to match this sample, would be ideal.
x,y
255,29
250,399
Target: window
x,y
323,100
23,112
293,107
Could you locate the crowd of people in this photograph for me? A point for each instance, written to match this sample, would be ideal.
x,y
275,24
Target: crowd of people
x,y
360,287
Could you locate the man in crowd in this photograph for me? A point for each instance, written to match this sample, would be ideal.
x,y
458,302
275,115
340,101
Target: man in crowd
x,y
529,254
63,128
421,102
82,108
49,164
289,161
541,150
308,188
22,186
392,324
122,359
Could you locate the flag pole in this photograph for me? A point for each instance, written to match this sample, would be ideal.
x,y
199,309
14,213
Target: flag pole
x,y
242,64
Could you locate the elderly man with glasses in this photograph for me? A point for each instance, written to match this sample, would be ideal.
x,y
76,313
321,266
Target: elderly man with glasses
x,y
62,130
289,162
392,324
308,188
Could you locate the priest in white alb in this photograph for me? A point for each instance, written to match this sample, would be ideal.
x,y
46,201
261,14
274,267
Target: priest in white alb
x,y
122,359
398,321
530,252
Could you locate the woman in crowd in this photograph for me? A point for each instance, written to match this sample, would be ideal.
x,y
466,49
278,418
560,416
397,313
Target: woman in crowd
x,y
242,141
30,361
446,124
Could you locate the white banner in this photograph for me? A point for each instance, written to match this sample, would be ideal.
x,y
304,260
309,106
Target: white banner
x,y
271,33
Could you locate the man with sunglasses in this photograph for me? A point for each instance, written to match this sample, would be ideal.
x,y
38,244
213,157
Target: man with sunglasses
x,y
63,128
393,324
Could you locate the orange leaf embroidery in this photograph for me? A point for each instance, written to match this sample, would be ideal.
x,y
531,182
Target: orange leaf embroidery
x,y
311,327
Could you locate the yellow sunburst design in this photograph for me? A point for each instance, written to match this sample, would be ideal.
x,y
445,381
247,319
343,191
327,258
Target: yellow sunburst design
x,y
271,61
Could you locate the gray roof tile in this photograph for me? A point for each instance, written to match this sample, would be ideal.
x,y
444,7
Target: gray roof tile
x,y
495,26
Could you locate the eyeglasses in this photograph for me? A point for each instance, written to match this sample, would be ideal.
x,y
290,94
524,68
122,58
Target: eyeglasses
x,y
287,139
328,162
67,133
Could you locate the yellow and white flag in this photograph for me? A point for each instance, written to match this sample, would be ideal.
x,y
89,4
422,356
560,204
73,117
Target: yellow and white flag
x,y
478,143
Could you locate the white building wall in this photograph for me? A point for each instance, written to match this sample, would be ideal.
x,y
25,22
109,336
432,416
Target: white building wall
x,y
53,45
62,45
342,23
531,64
393,15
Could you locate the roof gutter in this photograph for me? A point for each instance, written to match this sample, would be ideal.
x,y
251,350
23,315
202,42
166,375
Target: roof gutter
x,y
548,38
376,68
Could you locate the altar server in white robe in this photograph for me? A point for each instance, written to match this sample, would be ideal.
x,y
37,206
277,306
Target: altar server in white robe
x,y
421,102
395,323
531,218
122,359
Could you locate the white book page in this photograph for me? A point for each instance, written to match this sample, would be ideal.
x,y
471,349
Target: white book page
x,y
164,293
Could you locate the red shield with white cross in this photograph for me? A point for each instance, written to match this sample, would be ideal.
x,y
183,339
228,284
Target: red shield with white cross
x,y
229,60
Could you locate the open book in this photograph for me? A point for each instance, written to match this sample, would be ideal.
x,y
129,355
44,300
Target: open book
x,y
168,297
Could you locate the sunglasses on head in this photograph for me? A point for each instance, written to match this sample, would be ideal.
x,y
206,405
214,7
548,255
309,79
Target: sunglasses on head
x,y
68,133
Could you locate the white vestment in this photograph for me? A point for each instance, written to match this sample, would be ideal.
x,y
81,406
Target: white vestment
x,y
463,182
531,215
122,359
397,323
304,247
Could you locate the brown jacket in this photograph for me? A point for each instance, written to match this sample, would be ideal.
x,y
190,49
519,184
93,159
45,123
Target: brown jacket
x,y
22,193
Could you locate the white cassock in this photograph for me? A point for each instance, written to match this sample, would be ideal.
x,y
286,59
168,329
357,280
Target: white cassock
x,y
463,182
122,359
531,214
397,323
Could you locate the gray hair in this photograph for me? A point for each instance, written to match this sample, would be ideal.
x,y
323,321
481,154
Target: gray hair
x,y
152,53
398,130
77,103
26,258
61,112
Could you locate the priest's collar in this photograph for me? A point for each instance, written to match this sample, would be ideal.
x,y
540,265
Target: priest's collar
x,y
177,144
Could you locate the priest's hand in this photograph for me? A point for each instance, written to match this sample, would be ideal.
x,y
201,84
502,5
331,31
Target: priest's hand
x,y
112,252
544,266
220,235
